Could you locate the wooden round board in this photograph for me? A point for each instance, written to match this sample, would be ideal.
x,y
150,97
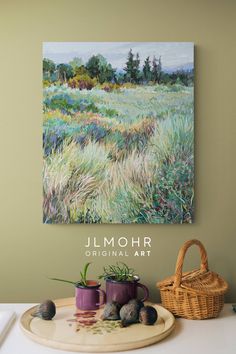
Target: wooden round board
x,y
88,333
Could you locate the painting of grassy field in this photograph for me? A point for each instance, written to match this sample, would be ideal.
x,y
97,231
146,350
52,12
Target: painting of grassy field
x,y
118,144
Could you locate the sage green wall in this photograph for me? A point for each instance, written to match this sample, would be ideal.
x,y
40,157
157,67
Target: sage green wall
x,y
31,251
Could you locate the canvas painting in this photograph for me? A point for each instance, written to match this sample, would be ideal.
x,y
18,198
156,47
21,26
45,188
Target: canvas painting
x,y
118,132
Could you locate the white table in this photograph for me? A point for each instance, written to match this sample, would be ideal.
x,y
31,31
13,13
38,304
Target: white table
x,y
215,336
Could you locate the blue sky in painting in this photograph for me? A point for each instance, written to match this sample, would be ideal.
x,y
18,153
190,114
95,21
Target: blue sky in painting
x,y
173,54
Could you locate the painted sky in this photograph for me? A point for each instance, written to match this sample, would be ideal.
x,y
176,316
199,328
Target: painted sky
x,y
173,54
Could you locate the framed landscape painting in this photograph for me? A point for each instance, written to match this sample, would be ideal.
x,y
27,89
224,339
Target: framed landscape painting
x,y
118,132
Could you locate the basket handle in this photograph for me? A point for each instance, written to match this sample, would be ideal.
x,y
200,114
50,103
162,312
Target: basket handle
x,y
180,260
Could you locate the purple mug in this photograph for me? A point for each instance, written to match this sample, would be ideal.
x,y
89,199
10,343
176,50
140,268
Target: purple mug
x,y
88,297
123,291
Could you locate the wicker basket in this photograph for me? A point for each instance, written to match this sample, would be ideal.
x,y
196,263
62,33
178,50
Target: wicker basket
x,y
198,294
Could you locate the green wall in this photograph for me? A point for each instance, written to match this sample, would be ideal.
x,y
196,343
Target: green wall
x,y
31,251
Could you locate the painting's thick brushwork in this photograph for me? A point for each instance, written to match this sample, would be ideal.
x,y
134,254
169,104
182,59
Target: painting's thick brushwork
x,y
118,132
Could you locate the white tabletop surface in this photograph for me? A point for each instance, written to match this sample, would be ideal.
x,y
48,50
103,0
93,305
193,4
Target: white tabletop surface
x,y
214,336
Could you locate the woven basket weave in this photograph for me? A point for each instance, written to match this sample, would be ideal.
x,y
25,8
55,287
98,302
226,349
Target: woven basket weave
x,y
198,294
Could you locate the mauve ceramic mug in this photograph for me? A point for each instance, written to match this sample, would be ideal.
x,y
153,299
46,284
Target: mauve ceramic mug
x,y
88,297
123,291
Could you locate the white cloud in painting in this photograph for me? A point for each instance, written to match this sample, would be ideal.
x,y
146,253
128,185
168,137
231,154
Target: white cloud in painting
x,y
173,54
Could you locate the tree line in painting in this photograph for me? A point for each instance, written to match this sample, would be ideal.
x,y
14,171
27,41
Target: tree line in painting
x,y
118,144
98,71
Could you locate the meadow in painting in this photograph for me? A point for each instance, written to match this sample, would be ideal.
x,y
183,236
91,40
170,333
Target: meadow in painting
x,y
118,132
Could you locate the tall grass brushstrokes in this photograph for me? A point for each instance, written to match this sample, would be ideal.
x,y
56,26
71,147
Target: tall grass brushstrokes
x,y
120,155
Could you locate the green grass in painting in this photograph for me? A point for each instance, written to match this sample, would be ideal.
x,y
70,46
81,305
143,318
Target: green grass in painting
x,y
124,156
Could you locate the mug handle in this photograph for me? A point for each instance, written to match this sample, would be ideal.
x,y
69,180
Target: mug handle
x,y
146,291
103,300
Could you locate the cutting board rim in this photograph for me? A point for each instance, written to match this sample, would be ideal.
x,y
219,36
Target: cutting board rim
x,y
26,318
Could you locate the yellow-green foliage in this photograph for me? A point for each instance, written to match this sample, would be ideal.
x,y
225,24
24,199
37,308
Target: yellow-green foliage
x,y
46,83
57,114
82,81
129,85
